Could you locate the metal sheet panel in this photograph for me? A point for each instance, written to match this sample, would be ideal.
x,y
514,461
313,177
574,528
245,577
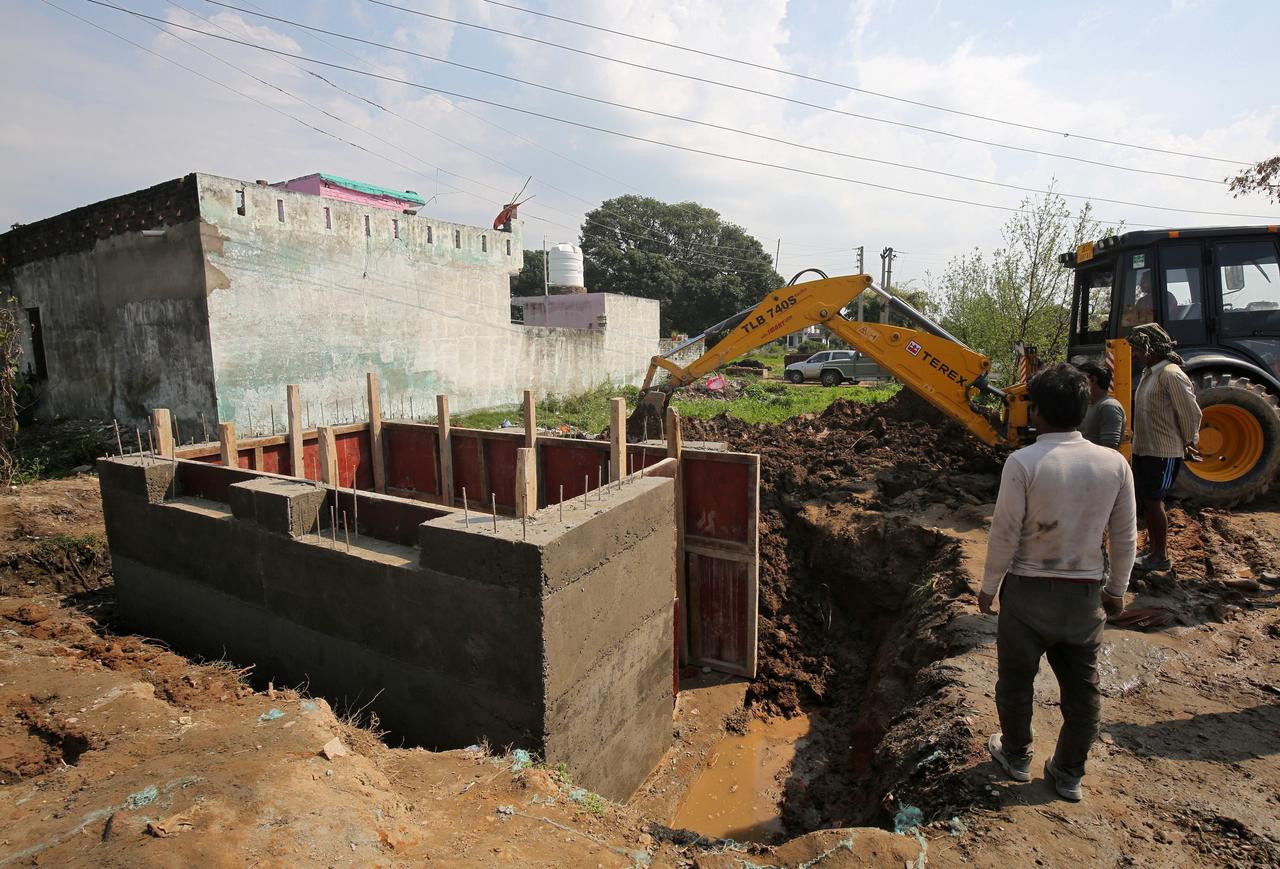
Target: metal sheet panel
x,y
721,494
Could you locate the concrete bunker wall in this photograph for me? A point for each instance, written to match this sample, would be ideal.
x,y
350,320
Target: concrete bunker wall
x,y
557,636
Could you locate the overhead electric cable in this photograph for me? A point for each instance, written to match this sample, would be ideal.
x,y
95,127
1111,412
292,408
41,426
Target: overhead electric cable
x,y
716,254
722,127
630,136
882,95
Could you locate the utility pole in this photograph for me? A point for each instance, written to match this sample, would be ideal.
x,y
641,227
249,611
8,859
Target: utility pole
x,y
546,266
860,299
886,278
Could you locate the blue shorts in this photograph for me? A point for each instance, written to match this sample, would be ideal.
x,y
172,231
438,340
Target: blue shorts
x,y
1154,476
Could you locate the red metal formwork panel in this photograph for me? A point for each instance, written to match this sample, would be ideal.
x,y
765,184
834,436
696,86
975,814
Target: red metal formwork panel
x,y
355,460
411,458
715,496
244,458
275,459
500,459
570,465
310,460
468,468
721,493
642,457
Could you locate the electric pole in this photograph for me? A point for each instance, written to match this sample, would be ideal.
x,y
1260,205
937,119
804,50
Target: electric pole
x,y
886,279
860,300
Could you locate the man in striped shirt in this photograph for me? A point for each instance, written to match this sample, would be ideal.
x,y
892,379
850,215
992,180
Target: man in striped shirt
x,y
1166,428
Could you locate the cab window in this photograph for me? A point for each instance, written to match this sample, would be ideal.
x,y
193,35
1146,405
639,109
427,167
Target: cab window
x,y
819,357
1249,280
1093,294
1137,297
1181,293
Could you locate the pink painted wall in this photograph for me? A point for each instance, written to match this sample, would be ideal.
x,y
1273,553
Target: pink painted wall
x,y
317,186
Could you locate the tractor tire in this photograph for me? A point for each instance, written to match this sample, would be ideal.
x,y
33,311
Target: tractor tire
x,y
831,377
795,377
1239,439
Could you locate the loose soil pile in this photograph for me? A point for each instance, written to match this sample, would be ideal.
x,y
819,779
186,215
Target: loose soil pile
x,y
853,592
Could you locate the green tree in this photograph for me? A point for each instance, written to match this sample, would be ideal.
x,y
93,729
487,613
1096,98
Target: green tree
x,y
1019,292
698,265
529,282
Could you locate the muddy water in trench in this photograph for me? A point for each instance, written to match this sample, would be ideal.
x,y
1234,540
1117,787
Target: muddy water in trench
x,y
738,793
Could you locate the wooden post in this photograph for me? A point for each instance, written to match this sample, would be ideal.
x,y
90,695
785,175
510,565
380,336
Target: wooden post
x,y
375,436
530,419
162,423
227,444
445,442
294,400
675,440
675,450
617,438
328,455
526,482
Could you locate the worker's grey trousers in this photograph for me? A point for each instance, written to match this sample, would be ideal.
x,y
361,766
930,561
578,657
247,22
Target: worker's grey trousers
x,y
1063,620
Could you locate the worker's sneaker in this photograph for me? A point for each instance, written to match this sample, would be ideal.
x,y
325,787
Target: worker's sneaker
x,y
1151,565
1018,770
1067,786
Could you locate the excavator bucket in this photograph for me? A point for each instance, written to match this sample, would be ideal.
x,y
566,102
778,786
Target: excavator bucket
x,y
646,420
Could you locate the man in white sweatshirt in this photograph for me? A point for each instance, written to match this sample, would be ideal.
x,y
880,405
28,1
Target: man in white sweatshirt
x,y
1045,559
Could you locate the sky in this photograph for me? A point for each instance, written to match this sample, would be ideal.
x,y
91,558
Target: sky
x,y
87,115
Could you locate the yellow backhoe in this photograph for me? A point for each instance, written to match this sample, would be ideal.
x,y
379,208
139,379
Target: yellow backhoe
x,y
928,360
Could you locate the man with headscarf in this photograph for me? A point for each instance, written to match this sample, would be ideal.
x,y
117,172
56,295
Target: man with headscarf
x,y
1166,428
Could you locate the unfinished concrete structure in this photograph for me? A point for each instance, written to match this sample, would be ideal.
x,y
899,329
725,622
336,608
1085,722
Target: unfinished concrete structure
x,y
553,635
535,591
206,295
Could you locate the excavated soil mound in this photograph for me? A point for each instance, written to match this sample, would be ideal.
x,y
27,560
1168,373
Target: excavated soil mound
x,y
898,455
858,599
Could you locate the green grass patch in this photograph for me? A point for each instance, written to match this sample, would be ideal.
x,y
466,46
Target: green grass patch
x,y
588,411
774,402
767,401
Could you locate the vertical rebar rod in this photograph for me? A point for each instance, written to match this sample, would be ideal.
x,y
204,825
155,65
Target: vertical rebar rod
x,y
466,512
562,502
493,508
119,443
333,524
345,532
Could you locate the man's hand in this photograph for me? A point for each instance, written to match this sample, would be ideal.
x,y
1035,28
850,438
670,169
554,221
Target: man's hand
x,y
1112,605
984,602
1191,454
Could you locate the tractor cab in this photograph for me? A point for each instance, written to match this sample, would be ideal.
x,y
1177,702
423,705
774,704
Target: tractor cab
x,y
1216,291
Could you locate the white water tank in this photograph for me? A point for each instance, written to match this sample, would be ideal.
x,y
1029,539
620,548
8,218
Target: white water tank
x,y
564,266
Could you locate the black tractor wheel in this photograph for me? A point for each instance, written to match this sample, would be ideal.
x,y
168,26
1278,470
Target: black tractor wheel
x,y
1239,439
795,377
831,377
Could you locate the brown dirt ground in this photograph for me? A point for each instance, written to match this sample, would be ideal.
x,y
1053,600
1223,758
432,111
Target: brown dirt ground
x,y
114,750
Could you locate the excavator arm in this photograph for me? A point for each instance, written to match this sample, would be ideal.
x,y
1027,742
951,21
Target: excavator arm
x,y
929,361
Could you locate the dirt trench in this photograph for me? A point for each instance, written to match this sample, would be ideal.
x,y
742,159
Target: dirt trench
x,y
860,605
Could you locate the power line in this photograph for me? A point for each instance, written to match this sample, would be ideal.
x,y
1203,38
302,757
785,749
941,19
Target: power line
x,y
599,129
726,128
718,251
715,255
880,94
780,97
